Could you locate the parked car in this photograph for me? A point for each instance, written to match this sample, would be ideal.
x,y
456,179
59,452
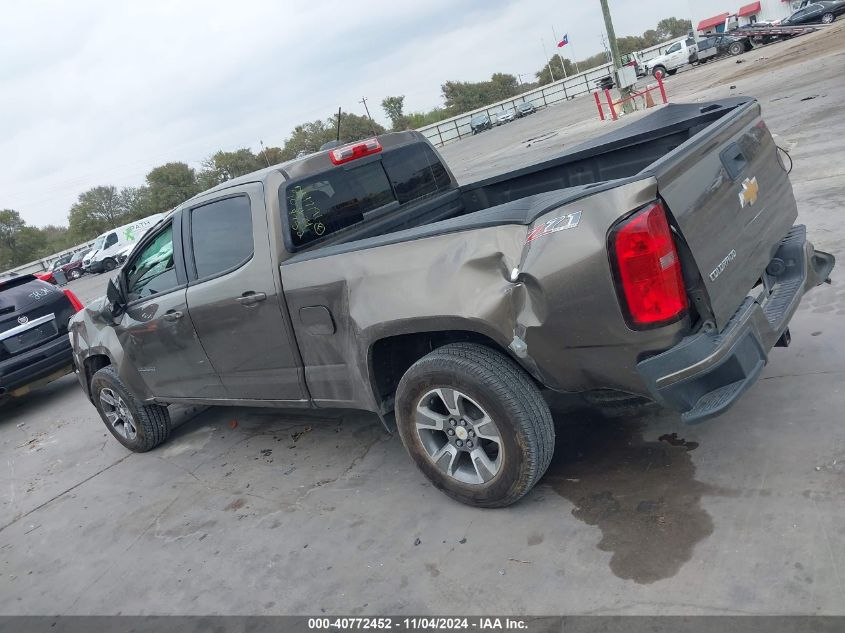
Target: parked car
x,y
480,122
103,254
73,269
816,13
525,108
34,346
719,45
507,116
605,83
679,54
61,261
386,286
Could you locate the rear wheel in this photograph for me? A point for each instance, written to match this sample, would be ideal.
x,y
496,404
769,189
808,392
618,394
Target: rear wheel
x,y
109,264
828,18
672,72
658,72
137,426
475,424
736,48
75,274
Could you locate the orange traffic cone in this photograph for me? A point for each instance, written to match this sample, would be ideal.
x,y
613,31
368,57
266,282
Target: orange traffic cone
x,y
649,102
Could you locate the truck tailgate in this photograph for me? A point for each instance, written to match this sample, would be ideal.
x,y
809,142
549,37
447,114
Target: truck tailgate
x,y
732,201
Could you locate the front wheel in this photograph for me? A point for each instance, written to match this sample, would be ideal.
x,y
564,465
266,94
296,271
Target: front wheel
x,y
138,427
475,424
659,72
828,18
109,264
736,49
75,274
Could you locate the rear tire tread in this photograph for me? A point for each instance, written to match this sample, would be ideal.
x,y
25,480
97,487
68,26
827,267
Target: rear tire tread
x,y
510,383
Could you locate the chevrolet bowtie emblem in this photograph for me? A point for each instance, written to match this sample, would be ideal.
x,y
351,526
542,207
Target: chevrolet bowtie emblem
x,y
748,195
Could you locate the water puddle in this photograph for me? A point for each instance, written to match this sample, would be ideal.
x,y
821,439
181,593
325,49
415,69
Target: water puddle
x,y
641,494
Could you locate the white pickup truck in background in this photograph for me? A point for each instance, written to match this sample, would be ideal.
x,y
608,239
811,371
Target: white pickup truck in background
x,y
679,54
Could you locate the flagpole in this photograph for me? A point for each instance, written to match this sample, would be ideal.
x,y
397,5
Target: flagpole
x,y
562,62
548,63
574,58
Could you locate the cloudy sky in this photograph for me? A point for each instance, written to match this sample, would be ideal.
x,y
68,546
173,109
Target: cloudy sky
x,y
100,92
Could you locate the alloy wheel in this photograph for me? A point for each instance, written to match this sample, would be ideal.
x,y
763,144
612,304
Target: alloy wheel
x,y
458,436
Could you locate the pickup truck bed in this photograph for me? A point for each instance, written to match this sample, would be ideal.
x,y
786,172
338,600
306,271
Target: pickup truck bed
x,y
658,260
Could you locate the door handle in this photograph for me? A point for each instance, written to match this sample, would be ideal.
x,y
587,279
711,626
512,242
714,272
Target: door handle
x,y
251,298
172,315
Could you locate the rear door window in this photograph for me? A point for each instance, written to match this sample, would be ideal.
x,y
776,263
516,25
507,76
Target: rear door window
x,y
332,201
221,235
415,172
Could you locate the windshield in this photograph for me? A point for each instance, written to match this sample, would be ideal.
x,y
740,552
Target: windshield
x,y
98,243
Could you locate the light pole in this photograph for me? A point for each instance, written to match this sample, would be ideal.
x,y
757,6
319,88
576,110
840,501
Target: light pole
x,y
627,105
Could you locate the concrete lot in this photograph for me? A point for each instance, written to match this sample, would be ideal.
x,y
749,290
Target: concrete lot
x,y
272,512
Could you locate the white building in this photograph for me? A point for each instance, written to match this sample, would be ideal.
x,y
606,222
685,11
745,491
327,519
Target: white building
x,y
761,11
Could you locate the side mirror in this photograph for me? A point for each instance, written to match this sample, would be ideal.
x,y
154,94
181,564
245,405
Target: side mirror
x,y
113,307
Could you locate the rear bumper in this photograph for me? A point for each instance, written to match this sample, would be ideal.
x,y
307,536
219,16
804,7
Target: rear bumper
x,y
35,365
704,374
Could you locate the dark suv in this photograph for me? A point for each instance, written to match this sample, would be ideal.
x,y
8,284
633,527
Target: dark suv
x,y
34,346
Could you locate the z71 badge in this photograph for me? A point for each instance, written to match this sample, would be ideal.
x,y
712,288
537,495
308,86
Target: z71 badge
x,y
564,222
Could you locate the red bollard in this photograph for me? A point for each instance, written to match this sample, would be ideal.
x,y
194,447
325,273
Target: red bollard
x,y
598,105
610,104
662,88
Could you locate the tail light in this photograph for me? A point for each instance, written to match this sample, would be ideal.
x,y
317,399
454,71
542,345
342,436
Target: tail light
x,y
353,151
648,270
74,301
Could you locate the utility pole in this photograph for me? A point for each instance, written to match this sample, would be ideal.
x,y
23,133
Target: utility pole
x,y
367,110
627,106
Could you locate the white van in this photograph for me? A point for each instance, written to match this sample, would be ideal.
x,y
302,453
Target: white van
x,y
104,253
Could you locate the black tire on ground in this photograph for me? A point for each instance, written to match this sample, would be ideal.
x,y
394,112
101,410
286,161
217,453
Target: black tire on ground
x,y
151,422
736,48
658,70
828,18
509,397
109,264
75,274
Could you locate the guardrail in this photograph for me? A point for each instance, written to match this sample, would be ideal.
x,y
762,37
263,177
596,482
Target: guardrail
x,y
457,127
45,263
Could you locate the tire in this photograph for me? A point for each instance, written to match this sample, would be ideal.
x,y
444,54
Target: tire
x,y
479,382
109,264
658,71
828,18
75,274
150,423
736,49
672,72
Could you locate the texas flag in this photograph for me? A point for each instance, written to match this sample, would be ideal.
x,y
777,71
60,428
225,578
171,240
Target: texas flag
x,y
564,41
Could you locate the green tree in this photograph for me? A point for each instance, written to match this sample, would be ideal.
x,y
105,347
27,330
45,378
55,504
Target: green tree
x,y
170,185
14,246
651,38
558,64
223,166
95,211
271,155
669,28
393,107
135,202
